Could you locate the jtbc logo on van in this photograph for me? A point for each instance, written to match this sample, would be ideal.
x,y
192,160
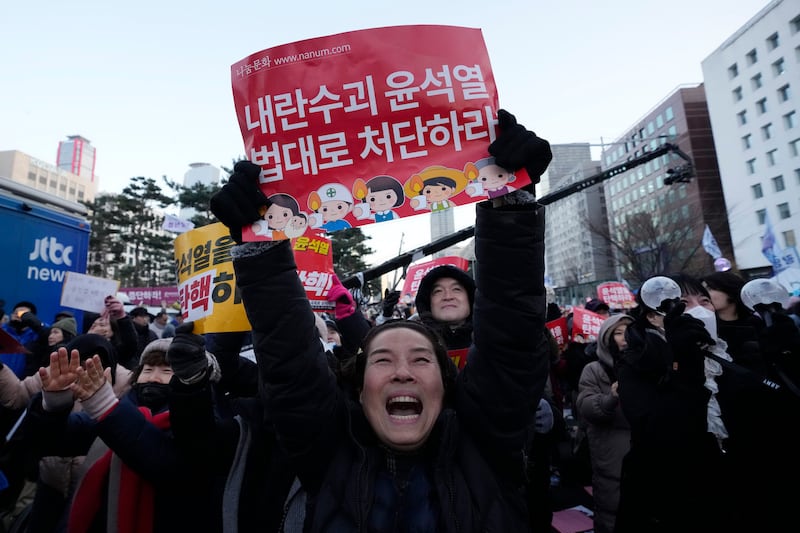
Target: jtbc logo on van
x,y
49,250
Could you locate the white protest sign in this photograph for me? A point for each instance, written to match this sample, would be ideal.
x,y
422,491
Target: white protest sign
x,y
87,293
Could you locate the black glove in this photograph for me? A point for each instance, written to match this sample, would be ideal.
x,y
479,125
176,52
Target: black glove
x,y
187,354
684,330
240,201
390,300
32,321
516,147
780,338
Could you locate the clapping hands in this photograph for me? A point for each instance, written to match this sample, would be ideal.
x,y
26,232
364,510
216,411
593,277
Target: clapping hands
x,y
66,373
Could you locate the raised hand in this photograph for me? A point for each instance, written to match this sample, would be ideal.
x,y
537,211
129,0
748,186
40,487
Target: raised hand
x,y
113,308
62,372
91,377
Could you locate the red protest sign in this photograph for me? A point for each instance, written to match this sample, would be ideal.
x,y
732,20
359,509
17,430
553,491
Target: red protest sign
x,y
558,328
616,295
9,344
586,324
314,257
415,273
368,126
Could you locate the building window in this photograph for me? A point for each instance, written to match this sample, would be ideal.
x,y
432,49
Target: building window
x,y
659,120
771,158
790,120
741,116
750,164
777,183
797,175
794,24
737,94
761,106
756,81
794,147
766,131
746,142
778,67
757,191
32,176
789,238
733,71
761,215
668,113
773,42
43,180
784,93
752,57
783,211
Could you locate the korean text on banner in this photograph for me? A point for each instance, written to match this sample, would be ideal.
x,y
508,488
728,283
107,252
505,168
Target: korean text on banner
x,y
558,328
207,282
415,273
585,324
368,126
616,295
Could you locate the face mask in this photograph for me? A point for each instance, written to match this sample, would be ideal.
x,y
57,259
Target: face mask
x,y
154,396
709,319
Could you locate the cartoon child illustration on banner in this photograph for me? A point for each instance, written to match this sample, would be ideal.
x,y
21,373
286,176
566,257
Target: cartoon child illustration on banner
x,y
330,203
488,179
434,187
282,220
378,197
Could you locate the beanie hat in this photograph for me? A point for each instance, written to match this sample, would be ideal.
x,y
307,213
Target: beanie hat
x,y
67,325
162,345
90,344
423,299
332,325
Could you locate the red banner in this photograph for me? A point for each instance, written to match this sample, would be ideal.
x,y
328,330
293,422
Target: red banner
x,y
586,324
152,296
314,258
369,126
558,328
616,295
415,273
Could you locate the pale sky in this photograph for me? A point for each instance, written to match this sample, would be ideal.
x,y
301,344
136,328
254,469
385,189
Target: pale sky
x,y
148,83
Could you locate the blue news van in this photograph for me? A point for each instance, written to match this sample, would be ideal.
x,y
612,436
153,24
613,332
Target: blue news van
x,y
42,237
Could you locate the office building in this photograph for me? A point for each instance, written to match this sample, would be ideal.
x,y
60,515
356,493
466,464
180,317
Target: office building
x,y
751,82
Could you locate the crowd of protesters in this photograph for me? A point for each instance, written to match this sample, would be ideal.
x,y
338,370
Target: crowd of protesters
x,y
452,417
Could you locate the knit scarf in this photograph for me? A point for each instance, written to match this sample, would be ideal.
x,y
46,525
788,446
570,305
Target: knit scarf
x,y
130,502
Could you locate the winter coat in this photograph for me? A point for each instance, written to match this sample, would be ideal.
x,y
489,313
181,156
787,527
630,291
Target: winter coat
x,y
179,487
607,429
471,464
673,477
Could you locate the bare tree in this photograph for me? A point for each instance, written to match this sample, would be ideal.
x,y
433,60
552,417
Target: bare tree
x,y
648,243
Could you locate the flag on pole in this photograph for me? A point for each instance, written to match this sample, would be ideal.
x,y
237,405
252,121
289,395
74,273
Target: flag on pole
x,y
710,244
178,225
769,246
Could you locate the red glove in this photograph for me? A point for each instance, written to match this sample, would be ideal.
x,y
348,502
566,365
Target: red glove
x,y
345,305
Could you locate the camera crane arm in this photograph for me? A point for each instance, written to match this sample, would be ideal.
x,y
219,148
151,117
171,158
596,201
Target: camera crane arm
x,y
680,173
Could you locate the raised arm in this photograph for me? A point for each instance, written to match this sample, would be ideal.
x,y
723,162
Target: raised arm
x,y
508,362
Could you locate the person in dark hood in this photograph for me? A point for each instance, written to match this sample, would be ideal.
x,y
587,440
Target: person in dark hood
x,y
25,328
444,302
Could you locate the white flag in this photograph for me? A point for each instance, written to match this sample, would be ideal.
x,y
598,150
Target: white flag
x,y
710,244
178,225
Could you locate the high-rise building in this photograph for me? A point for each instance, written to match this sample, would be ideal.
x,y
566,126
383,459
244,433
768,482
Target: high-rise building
x,y
78,156
657,227
751,82
576,257
35,173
